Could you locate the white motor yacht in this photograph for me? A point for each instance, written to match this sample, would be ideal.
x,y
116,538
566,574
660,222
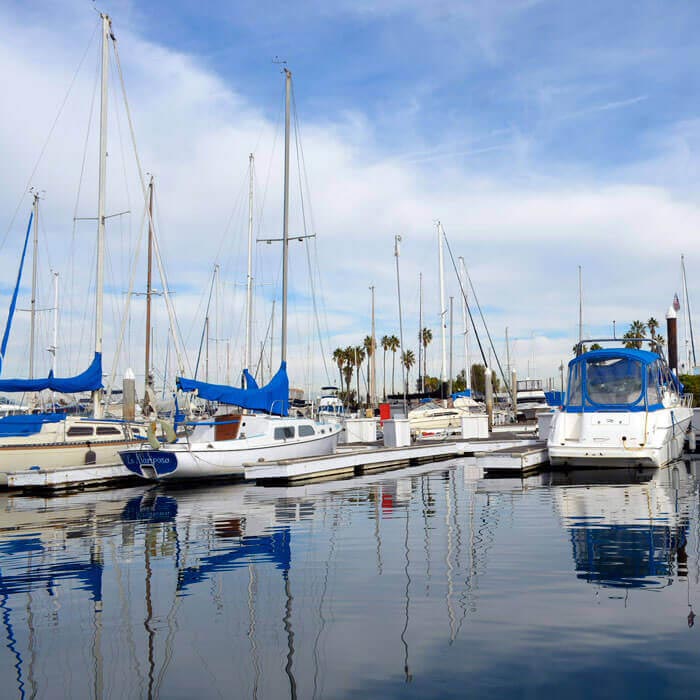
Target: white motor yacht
x,y
624,407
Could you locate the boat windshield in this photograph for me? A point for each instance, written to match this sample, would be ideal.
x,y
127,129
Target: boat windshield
x,y
608,382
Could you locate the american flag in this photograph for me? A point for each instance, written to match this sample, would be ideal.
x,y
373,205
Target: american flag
x,y
676,303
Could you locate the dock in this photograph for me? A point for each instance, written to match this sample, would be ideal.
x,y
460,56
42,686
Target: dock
x,y
69,477
362,459
349,460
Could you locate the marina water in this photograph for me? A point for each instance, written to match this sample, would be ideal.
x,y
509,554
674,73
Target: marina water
x,y
431,581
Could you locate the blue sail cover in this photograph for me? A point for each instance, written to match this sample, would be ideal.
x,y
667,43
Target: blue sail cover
x,y
271,398
89,380
13,302
250,380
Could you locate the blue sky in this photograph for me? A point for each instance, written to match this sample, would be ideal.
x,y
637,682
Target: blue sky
x,y
544,135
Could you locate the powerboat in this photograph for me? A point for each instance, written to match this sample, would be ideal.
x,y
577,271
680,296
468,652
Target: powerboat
x,y
530,398
330,407
431,418
623,407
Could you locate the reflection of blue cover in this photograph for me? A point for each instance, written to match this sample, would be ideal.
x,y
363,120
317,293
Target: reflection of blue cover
x,y
39,576
271,398
274,548
626,555
89,380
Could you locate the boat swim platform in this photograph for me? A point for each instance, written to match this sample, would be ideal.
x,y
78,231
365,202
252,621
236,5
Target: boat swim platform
x,y
366,458
515,458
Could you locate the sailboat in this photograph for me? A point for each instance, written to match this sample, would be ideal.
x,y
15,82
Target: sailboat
x,y
222,446
50,441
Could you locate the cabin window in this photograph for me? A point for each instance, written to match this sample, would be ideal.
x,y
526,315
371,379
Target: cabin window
x,y
80,430
574,393
108,430
617,381
284,433
653,394
306,430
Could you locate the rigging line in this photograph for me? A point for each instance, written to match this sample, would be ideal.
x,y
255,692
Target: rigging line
x,y
177,336
471,318
77,197
127,308
50,134
308,253
204,327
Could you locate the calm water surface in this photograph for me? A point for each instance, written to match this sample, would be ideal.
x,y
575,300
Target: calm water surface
x,y
425,582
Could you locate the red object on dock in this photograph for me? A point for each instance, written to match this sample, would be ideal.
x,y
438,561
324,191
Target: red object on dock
x,y
384,412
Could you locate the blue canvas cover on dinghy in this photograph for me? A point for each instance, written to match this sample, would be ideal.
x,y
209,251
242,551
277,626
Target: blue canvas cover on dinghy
x,y
271,398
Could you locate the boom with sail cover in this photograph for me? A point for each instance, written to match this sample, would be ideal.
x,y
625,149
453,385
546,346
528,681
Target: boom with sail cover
x,y
271,398
89,380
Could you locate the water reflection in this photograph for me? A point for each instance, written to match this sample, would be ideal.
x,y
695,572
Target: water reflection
x,y
628,527
390,585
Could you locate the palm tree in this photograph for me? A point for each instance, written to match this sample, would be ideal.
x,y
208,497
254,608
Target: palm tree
x,y
339,359
652,325
408,359
394,344
368,344
426,337
348,368
385,347
358,358
636,330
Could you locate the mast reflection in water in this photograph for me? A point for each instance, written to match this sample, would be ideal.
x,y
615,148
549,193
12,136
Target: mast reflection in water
x,y
418,583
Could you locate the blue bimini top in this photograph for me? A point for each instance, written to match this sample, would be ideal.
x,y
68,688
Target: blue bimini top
x,y
619,379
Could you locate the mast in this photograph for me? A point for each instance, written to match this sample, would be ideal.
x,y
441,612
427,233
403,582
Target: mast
x,y
443,310
149,292
32,306
99,278
465,321
451,342
285,220
580,306
397,252
421,350
247,350
54,346
687,306
372,363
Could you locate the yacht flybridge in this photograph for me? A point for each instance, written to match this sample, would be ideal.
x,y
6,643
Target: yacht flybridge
x,y
624,407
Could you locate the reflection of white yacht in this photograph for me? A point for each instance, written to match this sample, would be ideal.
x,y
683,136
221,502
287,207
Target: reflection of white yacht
x,y
624,407
626,530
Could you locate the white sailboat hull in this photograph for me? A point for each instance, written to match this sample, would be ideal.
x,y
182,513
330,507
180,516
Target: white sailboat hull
x,y
651,439
186,459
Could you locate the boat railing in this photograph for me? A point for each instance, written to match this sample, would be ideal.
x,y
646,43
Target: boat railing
x,y
687,400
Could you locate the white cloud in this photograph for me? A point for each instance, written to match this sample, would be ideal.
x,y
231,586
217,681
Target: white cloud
x,y
522,240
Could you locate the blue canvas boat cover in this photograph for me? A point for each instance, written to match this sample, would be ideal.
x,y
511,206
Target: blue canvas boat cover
x,y
89,380
271,398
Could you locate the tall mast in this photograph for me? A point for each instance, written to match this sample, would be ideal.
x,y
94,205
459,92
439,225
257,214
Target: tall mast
x,y
99,278
443,310
451,343
247,351
465,321
421,350
149,292
285,221
580,306
372,363
397,253
687,306
54,346
32,306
